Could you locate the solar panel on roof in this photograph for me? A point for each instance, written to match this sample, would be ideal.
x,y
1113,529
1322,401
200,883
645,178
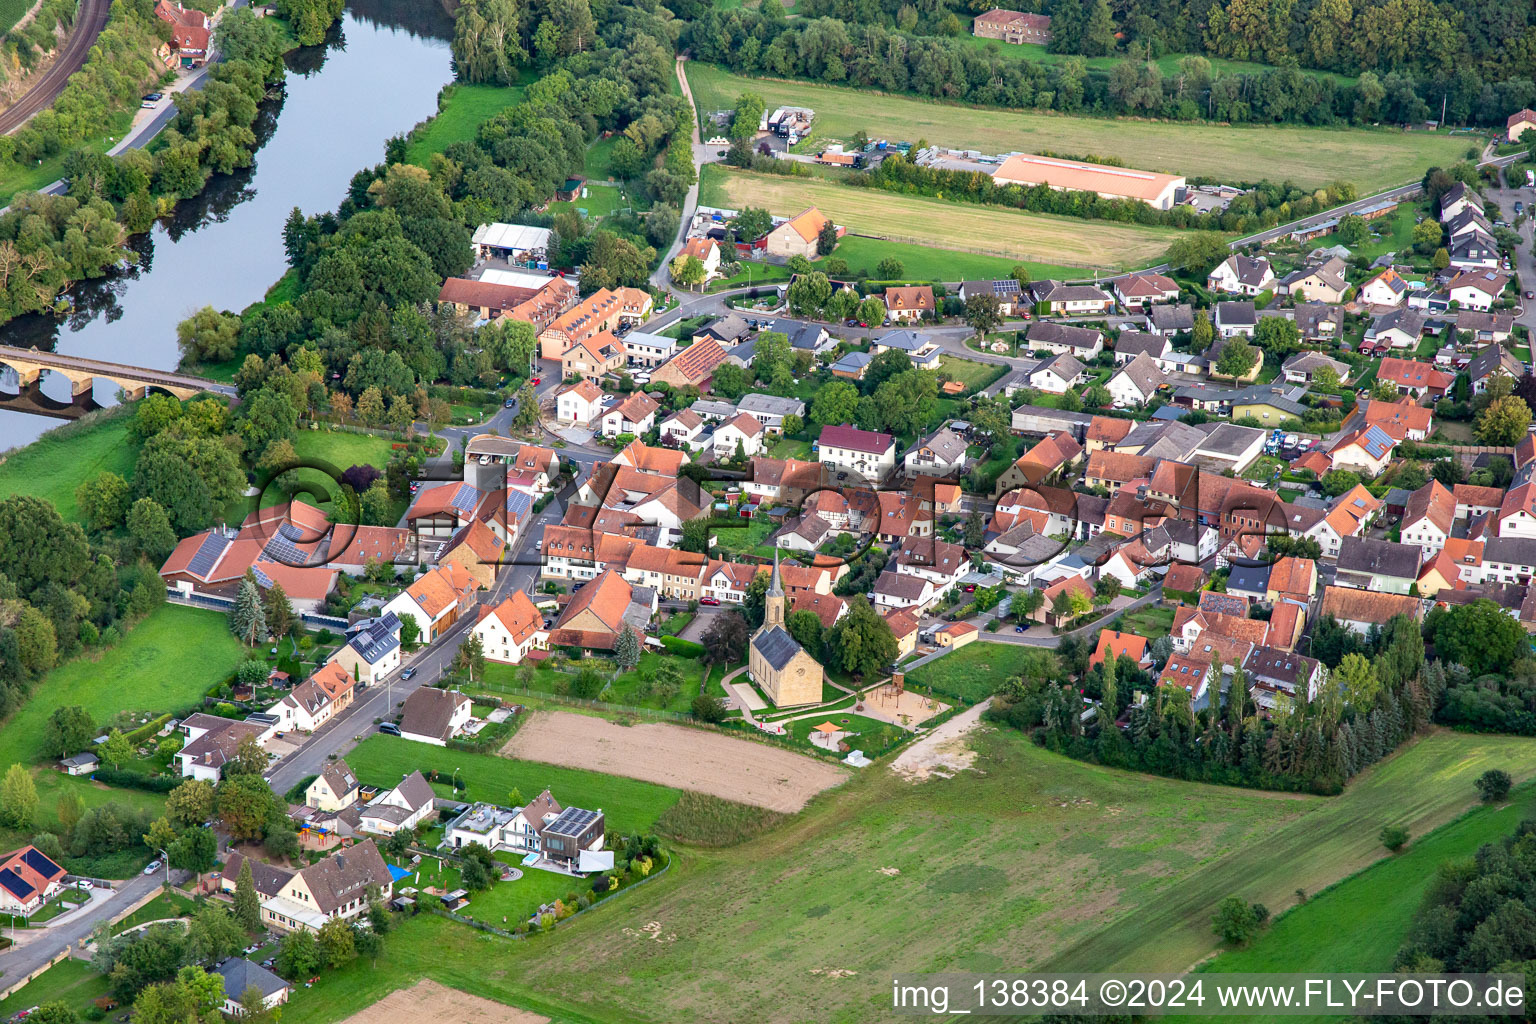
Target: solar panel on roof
x,y
13,883
572,821
261,577
281,548
35,860
465,498
208,553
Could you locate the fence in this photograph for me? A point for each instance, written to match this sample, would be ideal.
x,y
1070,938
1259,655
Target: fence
x,y
224,604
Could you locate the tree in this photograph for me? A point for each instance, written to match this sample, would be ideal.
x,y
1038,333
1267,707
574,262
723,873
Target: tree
x,y
369,943
1505,421
1203,333
194,850
208,336
18,797
975,530
725,641
748,115
1441,259
69,728
1339,481
56,1012
890,269
298,956
826,239
1394,837
149,524
707,707
248,619
835,403
247,902
870,310
1493,785
470,657
117,749
626,650
861,643
1235,921
245,803
103,500
1237,358
1427,236
1278,336
984,312
1480,636
1357,681
696,533
190,803
688,271
1197,251
337,942
410,632
279,613
805,627
1107,589
1352,230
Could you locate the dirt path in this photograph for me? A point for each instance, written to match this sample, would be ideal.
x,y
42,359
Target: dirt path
x,y
427,1000
943,751
675,755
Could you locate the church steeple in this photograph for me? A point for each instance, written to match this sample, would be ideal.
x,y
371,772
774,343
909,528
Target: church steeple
x,y
773,601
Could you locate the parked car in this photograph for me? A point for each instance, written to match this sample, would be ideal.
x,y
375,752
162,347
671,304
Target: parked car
x,y
85,885
709,600
152,867
536,381
150,99
509,403
407,673
577,586
389,728
1018,629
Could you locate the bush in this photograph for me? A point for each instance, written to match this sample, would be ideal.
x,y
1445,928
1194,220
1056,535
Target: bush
x,y
1238,922
1494,785
708,708
1394,837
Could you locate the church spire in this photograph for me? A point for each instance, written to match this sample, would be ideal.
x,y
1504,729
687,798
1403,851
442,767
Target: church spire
x,y
773,601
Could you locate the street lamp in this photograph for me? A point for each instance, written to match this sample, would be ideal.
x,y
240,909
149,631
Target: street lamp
x,y
454,782
166,860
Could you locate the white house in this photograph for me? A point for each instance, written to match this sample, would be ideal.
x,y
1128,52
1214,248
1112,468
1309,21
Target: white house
x,y
1234,318
646,349
240,975
1477,289
435,600
434,716
682,428
866,453
636,414
212,742
742,433
372,650
1385,289
511,629
28,879
1056,375
1241,275
941,454
1136,382
315,701
405,806
1428,518
580,404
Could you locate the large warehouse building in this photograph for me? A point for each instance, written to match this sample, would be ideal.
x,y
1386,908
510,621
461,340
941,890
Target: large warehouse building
x,y
1156,190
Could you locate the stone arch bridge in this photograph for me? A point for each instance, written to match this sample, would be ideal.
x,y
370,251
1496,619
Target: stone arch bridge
x,y
83,373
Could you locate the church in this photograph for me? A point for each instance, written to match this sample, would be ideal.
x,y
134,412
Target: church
x,y
779,665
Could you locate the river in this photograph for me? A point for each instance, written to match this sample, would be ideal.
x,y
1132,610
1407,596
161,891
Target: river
x,y
377,75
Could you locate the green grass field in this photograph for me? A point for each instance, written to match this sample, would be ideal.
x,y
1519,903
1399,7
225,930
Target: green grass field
x,y
75,982
343,449
630,805
925,263
975,376
599,202
1372,159
148,671
599,162
975,671
462,109
1033,862
623,688
996,231
54,465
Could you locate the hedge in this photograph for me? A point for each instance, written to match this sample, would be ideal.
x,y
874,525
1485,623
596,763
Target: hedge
x,y
137,780
682,648
147,730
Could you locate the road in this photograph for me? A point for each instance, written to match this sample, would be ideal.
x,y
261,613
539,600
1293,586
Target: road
x,y
1525,260
660,277
89,21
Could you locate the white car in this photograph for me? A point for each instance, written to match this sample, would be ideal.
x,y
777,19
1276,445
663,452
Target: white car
x,y
85,885
152,867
